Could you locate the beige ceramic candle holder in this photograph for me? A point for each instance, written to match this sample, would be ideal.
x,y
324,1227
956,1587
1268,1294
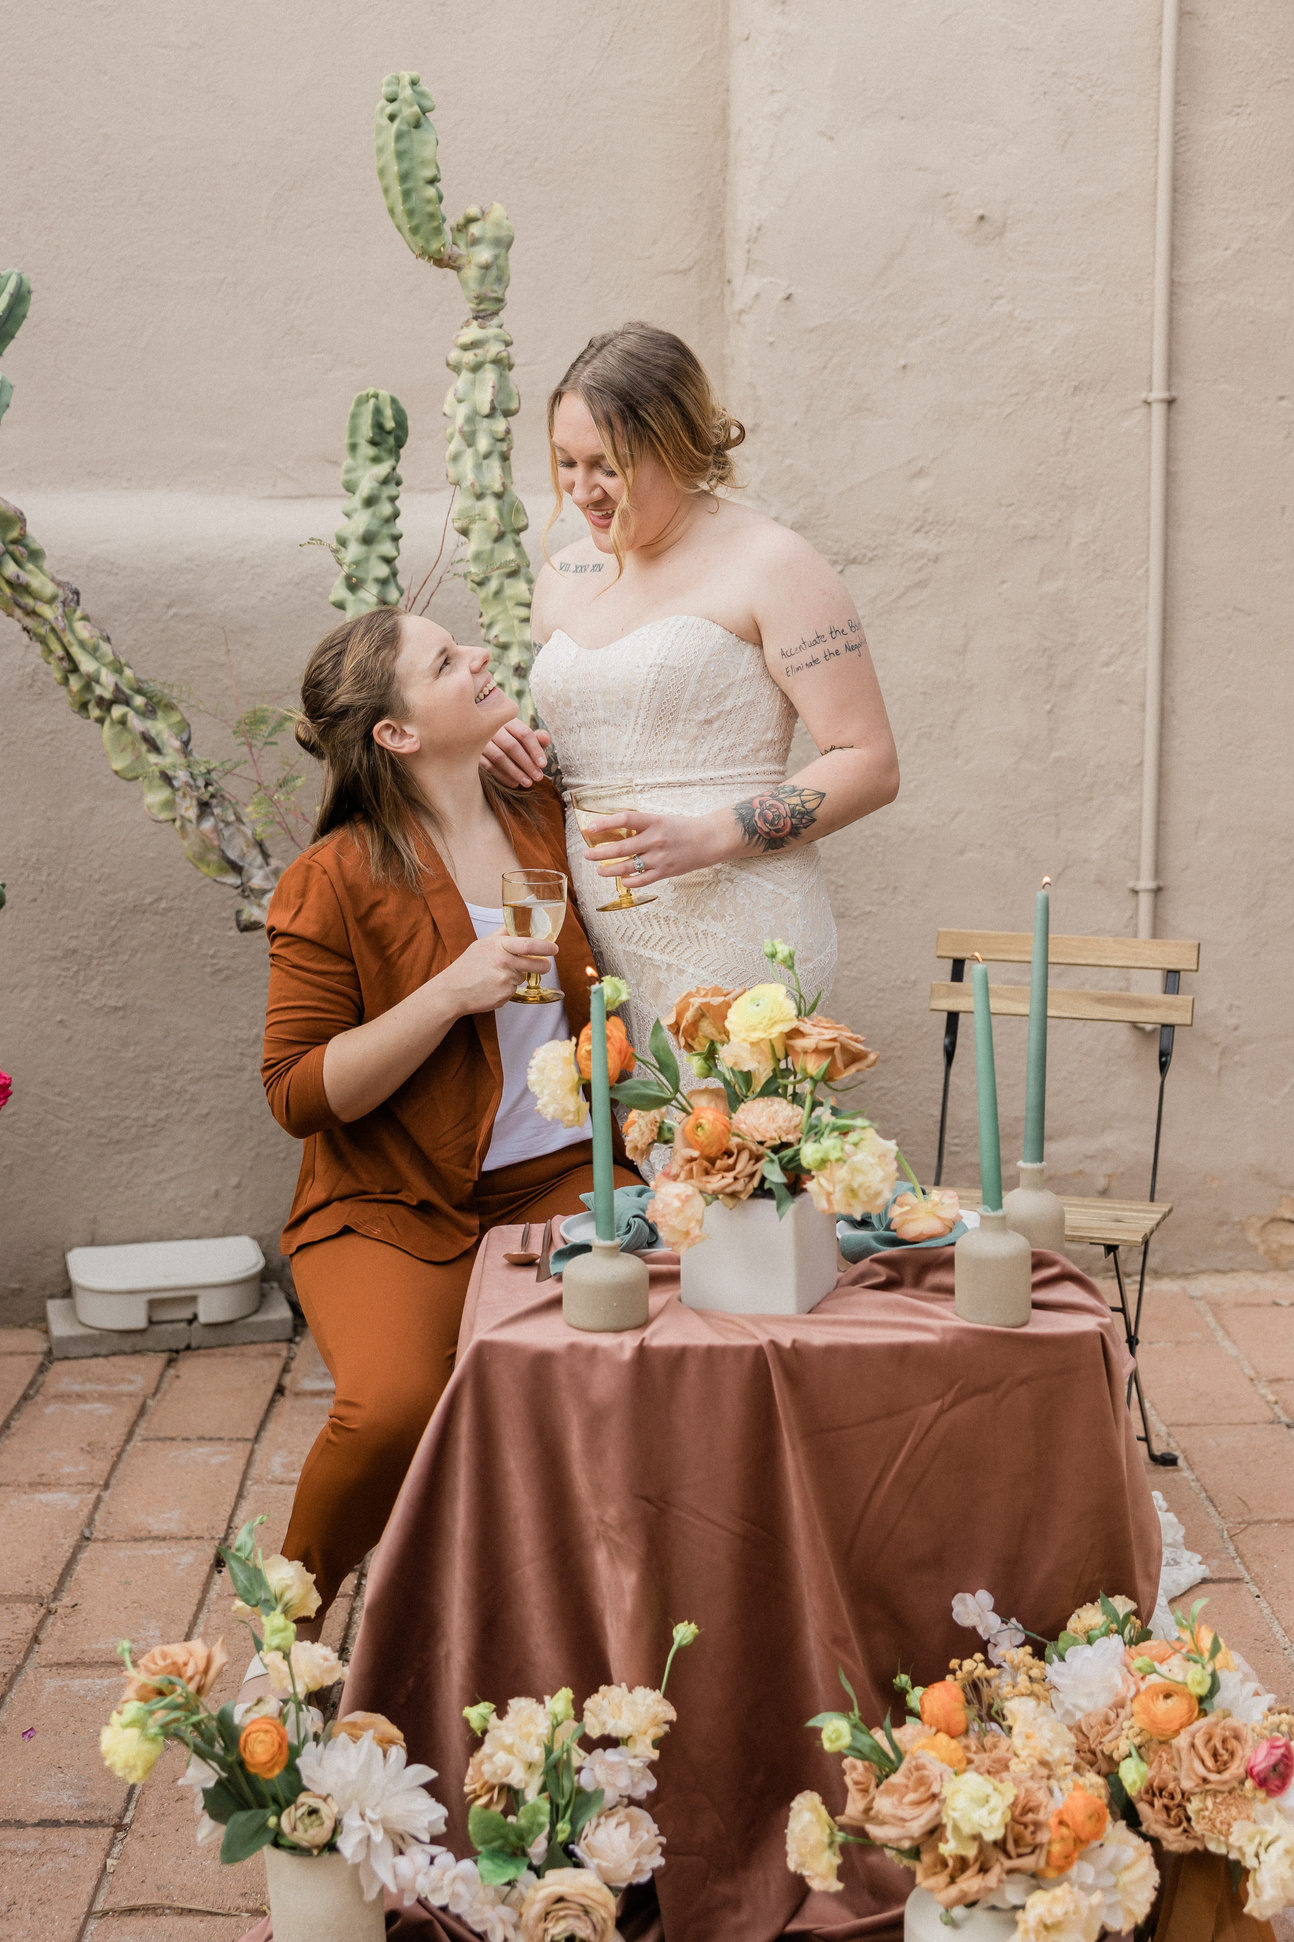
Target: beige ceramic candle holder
x,y
992,1274
1033,1210
605,1290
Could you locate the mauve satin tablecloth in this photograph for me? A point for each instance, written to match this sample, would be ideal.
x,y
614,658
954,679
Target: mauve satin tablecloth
x,y
811,1490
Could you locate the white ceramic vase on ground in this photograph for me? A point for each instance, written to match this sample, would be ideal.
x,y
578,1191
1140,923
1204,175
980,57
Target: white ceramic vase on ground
x,y
923,1921
318,1898
752,1263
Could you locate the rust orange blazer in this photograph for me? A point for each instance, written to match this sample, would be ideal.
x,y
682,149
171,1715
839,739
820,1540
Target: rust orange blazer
x,y
344,949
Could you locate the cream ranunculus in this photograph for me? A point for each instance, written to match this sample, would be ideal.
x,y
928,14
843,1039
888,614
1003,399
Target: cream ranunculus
x,y
1264,1844
761,1015
622,1846
637,1717
678,1211
553,1077
310,1822
976,1808
813,1844
1064,1914
314,1667
862,1181
568,1905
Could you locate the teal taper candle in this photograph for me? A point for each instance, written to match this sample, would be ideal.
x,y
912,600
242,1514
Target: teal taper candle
x,y
990,1151
1035,1078
604,1185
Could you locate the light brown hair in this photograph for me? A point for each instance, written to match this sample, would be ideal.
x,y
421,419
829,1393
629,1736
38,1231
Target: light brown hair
x,y
349,686
647,392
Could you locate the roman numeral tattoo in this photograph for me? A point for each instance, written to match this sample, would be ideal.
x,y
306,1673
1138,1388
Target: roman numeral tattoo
x,y
775,818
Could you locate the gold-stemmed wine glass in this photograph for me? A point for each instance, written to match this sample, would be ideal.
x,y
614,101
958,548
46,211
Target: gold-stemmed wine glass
x,y
588,805
534,905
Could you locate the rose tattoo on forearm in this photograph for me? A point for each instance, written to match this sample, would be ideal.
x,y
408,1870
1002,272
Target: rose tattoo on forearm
x,y
776,817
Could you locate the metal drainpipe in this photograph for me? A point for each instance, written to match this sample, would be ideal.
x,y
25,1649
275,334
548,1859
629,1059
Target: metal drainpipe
x,y
1159,398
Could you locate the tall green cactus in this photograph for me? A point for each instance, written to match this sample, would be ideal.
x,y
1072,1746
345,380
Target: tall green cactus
x,y
368,543
146,736
483,397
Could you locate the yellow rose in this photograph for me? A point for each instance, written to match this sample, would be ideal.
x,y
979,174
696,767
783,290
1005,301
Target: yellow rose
x,y
554,1079
128,1752
761,1014
976,1809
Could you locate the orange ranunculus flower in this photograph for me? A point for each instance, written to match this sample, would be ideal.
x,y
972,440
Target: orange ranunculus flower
x,y
943,1709
951,1752
1063,1849
1201,1640
1088,1816
620,1054
263,1744
1163,1708
198,1664
706,1131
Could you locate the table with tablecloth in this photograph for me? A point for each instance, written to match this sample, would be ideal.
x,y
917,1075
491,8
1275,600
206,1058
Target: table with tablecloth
x,y
811,1490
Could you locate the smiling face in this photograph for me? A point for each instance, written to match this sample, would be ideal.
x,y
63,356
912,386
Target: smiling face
x,y
451,705
589,475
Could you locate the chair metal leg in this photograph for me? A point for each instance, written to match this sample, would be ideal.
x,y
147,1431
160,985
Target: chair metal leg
x,y
1166,1459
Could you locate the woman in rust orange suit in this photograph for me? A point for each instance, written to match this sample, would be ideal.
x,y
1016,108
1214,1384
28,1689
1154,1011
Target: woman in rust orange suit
x,y
393,1054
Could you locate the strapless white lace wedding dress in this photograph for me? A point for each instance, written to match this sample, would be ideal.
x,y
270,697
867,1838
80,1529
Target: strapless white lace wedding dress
x,y
687,715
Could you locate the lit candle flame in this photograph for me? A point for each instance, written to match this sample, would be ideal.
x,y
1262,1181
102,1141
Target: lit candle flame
x,y
589,972
1046,883
978,958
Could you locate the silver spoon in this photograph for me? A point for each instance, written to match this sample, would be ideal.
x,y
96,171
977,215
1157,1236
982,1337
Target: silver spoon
x,y
524,1255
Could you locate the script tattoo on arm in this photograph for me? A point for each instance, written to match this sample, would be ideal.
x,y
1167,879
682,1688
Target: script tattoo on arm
x,y
776,817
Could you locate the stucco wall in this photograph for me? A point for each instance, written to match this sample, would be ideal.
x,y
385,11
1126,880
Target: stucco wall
x,y
915,245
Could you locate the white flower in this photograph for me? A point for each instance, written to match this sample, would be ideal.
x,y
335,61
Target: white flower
x,y
381,1804
973,1610
457,1886
1242,1696
512,1751
199,1775
618,1774
554,1079
313,1666
1063,1914
1265,1846
1120,1868
976,1808
621,1847
1087,1678
639,1718
1038,1738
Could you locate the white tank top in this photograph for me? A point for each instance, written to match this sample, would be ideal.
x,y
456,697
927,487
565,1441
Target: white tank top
x,y
520,1130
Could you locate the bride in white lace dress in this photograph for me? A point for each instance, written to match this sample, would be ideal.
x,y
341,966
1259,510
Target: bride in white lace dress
x,y
679,640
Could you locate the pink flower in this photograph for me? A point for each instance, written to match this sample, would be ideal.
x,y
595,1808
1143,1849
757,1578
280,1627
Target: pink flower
x,y
1271,1766
6,1087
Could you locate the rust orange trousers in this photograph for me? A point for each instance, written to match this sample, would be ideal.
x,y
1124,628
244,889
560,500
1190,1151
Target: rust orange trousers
x,y
387,1326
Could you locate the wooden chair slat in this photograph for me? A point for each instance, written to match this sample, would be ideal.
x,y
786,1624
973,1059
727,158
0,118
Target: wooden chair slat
x,y
1111,1007
1100,1222
1106,953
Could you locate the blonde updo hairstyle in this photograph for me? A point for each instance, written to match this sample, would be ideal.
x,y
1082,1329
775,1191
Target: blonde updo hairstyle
x,y
647,392
348,687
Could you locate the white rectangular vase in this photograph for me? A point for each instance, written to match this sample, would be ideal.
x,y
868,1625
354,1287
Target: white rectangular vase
x,y
752,1263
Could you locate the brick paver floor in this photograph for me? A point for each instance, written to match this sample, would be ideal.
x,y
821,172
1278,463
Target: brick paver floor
x,y
117,1473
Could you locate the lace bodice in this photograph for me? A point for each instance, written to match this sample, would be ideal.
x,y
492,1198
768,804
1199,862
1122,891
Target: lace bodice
x,y
686,714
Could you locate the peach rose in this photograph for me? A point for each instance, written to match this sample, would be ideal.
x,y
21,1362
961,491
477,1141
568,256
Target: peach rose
x,y
568,1905
958,1879
813,1042
678,1211
1214,1752
705,1131
936,1213
263,1744
199,1666
1156,1650
1027,1838
620,1054
641,1131
951,1752
1162,1807
770,1121
355,1725
860,1778
943,1709
700,1017
1163,1709
731,1178
909,1803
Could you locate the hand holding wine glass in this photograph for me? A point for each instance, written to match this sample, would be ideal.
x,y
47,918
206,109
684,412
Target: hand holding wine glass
x,y
534,906
591,804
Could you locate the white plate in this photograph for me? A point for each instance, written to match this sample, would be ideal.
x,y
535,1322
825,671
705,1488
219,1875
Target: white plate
x,y
584,1227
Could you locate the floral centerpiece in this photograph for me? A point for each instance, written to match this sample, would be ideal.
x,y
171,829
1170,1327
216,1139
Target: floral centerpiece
x,y
769,1125
1041,1784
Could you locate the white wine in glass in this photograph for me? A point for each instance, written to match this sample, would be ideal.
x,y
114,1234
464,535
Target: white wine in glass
x,y
589,805
534,905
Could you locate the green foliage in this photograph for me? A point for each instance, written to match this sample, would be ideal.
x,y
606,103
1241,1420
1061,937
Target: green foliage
x,y
15,301
247,1832
368,540
408,166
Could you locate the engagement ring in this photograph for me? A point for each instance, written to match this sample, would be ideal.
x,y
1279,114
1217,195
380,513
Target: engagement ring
x,y
639,866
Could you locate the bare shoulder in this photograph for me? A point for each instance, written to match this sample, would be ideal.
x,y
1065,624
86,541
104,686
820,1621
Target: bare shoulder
x,y
577,566
770,549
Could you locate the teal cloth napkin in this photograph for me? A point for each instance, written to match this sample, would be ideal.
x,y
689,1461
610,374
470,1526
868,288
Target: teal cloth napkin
x,y
633,1229
873,1233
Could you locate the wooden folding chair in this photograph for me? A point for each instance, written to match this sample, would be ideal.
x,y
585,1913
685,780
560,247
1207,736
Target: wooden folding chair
x,y
1108,1224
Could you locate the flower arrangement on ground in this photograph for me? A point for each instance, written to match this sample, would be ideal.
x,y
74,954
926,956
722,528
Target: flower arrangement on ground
x,y
769,1125
270,1772
1042,1783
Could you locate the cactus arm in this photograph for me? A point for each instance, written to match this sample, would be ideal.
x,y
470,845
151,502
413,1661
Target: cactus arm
x,y
147,738
408,168
368,541
15,302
